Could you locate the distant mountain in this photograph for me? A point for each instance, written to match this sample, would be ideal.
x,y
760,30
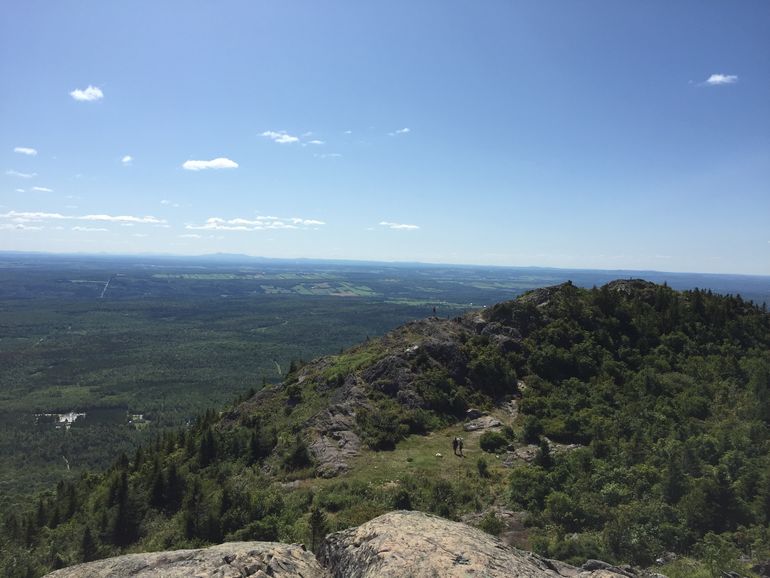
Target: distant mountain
x,y
615,423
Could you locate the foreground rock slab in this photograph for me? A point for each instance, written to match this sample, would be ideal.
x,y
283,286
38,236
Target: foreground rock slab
x,y
396,545
413,544
233,559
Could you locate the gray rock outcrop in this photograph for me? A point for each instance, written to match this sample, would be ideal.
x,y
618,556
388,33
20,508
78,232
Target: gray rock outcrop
x,y
414,544
484,422
234,559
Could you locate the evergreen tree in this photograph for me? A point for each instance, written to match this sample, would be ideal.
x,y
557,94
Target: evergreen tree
x,y
88,550
318,527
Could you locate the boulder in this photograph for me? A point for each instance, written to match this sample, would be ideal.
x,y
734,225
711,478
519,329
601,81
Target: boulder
x,y
234,559
473,413
484,422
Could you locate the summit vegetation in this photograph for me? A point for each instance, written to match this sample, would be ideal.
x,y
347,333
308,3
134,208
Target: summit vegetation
x,y
620,423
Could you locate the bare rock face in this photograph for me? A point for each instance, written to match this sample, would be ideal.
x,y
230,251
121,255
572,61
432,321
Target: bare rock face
x,y
333,440
413,544
484,422
234,559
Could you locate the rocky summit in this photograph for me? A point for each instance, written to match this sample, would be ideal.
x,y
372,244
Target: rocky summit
x,y
399,544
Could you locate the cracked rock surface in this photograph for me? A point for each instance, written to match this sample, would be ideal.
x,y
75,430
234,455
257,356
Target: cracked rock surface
x,y
233,559
414,544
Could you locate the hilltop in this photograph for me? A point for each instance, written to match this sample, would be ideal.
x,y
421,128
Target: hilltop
x,y
616,423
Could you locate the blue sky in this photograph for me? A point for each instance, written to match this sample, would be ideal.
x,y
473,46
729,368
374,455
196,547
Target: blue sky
x,y
598,134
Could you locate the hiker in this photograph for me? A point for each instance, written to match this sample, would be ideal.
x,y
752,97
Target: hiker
x,y
460,446
455,443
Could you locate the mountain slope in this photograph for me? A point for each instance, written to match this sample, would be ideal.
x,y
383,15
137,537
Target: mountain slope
x,y
633,421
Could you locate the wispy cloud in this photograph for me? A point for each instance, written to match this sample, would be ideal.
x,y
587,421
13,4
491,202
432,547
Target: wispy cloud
x,y
90,94
25,216
281,137
327,155
13,173
167,203
19,190
42,189
258,223
90,229
316,142
720,79
29,216
127,160
404,130
19,227
190,236
218,163
399,226
26,151
147,220
306,222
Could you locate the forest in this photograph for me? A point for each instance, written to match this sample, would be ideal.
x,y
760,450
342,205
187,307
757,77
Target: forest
x,y
647,411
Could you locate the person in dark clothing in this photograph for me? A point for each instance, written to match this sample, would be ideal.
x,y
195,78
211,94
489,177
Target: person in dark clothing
x,y
455,444
460,446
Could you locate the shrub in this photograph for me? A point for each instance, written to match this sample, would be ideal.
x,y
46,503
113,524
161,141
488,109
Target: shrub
x,y
491,524
492,441
383,429
533,429
483,468
297,455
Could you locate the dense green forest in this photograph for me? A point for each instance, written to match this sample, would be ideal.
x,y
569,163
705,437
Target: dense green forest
x,y
648,411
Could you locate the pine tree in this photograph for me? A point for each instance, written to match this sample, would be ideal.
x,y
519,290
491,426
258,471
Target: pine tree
x,y
88,549
318,527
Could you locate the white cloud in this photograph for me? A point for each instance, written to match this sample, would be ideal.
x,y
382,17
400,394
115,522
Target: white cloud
x,y
218,163
281,137
90,229
123,219
306,222
19,227
399,226
258,223
127,160
315,142
348,132
190,236
404,130
42,189
140,235
19,190
21,216
327,155
90,94
26,151
719,79
167,203
27,216
13,173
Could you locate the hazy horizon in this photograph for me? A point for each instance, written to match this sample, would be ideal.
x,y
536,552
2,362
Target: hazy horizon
x,y
233,258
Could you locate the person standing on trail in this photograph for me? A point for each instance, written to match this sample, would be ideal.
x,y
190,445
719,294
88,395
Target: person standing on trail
x,y
460,446
455,444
